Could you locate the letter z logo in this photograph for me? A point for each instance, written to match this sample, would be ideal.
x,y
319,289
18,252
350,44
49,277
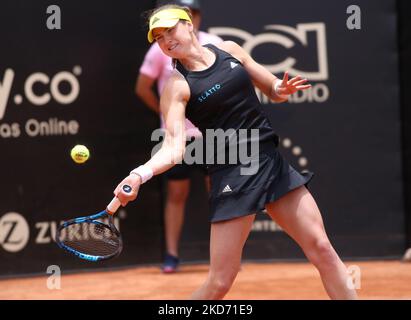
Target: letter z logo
x,y
14,232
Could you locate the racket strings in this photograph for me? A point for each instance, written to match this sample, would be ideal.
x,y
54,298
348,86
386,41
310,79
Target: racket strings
x,y
90,238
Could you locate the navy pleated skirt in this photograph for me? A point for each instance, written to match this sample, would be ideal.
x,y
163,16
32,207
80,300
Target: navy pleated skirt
x,y
243,189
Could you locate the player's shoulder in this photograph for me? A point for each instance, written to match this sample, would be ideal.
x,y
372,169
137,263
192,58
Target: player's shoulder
x,y
229,46
177,85
232,48
205,38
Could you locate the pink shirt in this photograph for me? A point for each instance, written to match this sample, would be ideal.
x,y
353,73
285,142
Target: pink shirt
x,y
157,65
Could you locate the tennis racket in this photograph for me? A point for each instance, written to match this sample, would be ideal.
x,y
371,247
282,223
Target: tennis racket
x,y
94,237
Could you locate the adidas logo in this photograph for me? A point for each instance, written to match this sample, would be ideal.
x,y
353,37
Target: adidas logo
x,y
233,65
227,189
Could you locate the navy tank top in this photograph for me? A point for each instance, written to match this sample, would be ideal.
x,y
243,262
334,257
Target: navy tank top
x,y
223,97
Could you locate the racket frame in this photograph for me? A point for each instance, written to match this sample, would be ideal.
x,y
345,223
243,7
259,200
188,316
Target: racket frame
x,y
109,212
91,219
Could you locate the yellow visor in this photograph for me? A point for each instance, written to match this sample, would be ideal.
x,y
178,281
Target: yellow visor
x,y
166,18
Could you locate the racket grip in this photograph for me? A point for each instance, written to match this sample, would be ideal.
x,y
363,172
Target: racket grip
x,y
113,205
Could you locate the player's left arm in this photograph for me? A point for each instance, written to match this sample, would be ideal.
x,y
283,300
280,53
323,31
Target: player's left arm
x,y
276,89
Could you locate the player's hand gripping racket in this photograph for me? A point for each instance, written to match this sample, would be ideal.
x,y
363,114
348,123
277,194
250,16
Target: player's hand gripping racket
x,y
91,239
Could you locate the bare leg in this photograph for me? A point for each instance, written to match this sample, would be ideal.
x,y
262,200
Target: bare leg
x,y
177,193
226,247
298,215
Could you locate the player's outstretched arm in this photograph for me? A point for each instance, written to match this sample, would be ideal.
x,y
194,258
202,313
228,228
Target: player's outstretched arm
x,y
173,102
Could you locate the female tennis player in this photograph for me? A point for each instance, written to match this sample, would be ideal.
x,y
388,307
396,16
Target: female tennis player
x,y
214,87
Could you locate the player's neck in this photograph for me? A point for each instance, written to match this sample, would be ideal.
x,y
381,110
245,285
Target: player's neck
x,y
198,58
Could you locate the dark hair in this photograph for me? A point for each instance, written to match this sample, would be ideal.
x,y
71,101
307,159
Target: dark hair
x,y
192,4
148,14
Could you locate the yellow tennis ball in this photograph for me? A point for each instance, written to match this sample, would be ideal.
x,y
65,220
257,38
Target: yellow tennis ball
x,y
80,153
